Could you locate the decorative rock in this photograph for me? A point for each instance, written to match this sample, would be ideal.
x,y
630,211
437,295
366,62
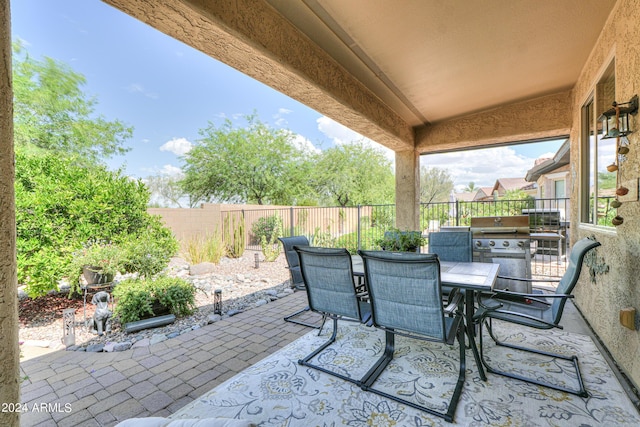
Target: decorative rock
x,y
194,327
73,348
271,292
122,346
108,347
202,268
95,348
173,335
157,338
261,302
232,312
213,318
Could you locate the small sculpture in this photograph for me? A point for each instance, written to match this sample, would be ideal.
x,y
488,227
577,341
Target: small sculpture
x,y
102,316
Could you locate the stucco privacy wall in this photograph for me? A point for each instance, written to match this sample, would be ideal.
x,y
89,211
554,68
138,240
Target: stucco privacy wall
x,y
601,301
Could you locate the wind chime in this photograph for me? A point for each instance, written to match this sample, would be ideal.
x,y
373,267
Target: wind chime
x,y
619,130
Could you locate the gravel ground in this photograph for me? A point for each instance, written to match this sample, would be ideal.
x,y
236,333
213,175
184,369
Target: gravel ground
x,y
242,287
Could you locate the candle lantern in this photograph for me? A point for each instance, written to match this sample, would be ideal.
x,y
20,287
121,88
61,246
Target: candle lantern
x,y
217,301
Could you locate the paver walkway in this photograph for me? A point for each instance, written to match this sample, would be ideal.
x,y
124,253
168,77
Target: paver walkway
x,y
101,389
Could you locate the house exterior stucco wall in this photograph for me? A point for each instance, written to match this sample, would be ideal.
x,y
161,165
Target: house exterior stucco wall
x,y
601,300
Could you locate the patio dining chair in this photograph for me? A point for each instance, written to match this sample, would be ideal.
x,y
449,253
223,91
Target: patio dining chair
x,y
454,246
535,310
328,275
297,282
404,291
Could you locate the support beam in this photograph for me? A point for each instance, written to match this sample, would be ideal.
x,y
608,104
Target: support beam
x,y
546,117
9,350
408,190
252,37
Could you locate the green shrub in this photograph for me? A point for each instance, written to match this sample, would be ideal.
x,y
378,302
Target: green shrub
x,y
136,297
61,206
271,247
149,252
208,248
264,226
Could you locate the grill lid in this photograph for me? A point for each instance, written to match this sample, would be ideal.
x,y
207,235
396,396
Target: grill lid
x,y
500,225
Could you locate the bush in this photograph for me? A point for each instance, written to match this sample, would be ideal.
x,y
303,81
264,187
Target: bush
x,y
136,297
265,226
61,207
149,252
199,249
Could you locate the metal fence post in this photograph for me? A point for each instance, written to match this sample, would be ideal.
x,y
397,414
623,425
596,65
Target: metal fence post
x,y
359,224
291,227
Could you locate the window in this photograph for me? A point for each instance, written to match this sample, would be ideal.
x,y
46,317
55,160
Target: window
x,y
559,189
598,184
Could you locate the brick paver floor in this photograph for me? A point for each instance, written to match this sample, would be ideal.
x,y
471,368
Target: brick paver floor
x,y
101,389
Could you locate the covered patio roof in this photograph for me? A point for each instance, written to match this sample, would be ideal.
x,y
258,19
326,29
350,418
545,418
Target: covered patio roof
x,y
421,75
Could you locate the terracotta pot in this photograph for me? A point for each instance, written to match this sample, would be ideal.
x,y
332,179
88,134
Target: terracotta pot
x,y
612,167
616,203
617,220
622,191
623,149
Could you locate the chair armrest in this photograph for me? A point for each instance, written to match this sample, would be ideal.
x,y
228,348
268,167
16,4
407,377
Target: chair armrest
x,y
498,292
524,279
454,302
492,313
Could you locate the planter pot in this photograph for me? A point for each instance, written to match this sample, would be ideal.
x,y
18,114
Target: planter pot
x,y
94,276
158,310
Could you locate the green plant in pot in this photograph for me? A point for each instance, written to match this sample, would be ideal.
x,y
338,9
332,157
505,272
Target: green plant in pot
x,y
99,262
401,241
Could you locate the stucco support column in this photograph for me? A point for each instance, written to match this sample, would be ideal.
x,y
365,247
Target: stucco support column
x,y
408,190
9,350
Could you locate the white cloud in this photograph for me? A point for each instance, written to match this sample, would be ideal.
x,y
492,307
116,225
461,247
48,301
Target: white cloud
x,y
177,146
482,167
138,88
340,134
304,144
171,171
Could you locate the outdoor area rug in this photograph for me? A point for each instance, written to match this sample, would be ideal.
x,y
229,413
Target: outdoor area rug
x,y
277,391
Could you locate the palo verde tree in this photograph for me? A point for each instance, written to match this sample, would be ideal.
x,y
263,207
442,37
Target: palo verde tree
x,y
435,185
252,164
52,112
353,174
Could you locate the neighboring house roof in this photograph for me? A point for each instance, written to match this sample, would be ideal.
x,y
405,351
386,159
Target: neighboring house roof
x,y
561,158
507,184
483,193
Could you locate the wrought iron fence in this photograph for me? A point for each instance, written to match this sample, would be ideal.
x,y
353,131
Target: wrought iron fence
x,y
360,227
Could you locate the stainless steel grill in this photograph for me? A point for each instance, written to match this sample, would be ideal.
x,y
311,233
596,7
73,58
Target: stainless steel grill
x,y
505,241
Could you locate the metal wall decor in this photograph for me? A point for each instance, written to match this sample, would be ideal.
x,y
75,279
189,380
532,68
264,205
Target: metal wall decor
x,y
615,124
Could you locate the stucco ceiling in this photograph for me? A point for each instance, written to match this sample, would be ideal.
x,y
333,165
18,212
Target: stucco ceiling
x,y
432,60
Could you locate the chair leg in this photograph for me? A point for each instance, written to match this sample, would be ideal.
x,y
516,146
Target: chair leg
x,y
290,319
582,392
371,376
331,340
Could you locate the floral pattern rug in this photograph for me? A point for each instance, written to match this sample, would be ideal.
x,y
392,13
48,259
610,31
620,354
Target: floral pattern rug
x,y
277,391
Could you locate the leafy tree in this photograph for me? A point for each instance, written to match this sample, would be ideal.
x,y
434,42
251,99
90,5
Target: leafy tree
x,y
354,174
435,185
61,206
256,164
167,191
52,112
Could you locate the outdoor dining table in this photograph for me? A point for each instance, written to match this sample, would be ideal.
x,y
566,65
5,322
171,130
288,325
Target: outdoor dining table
x,y
470,277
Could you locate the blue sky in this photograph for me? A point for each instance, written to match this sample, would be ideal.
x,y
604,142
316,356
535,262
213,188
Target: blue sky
x,y
168,91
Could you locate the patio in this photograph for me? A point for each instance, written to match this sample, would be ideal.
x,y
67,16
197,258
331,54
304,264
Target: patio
x,y
102,389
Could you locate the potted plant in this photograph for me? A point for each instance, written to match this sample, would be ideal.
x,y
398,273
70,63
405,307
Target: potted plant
x,y
402,241
99,262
